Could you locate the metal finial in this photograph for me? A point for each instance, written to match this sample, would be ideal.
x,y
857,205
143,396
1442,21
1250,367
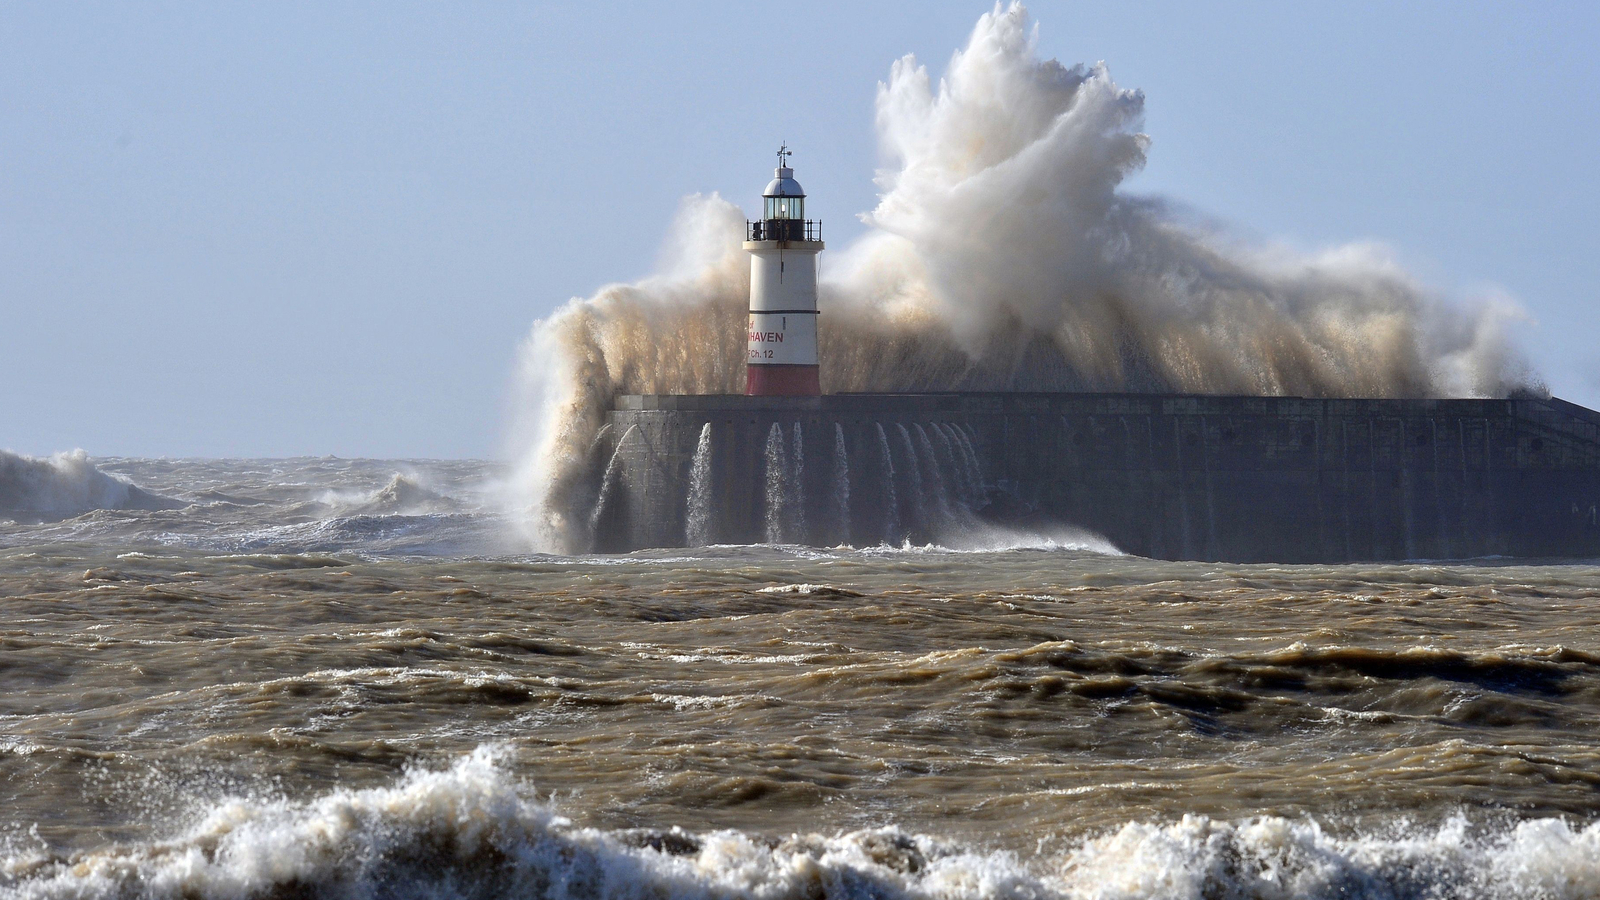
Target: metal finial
x,y
783,155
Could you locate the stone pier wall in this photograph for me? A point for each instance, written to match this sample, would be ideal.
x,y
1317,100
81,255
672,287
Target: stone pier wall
x,y
1168,476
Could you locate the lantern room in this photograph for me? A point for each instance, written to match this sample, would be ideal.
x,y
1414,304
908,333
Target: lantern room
x,y
783,208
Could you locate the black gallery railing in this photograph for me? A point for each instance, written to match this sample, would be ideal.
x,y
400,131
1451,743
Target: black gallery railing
x,y
783,230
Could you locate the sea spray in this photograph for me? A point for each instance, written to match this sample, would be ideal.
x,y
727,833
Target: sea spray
x,y
697,524
1071,283
681,331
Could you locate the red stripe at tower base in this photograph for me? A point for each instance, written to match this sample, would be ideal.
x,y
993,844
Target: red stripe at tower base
x,y
782,381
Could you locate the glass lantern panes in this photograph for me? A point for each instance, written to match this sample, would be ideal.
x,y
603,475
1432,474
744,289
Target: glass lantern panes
x,y
786,207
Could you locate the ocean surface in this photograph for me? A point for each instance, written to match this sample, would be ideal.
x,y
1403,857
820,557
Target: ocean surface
x,y
337,678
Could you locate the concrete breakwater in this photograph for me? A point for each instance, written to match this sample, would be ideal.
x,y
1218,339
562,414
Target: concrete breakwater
x,y
1245,479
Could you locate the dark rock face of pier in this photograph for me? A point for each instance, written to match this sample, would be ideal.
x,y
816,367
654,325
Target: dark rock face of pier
x,y
1247,479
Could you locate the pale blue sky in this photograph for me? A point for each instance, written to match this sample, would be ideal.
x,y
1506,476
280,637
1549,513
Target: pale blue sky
x,y
271,229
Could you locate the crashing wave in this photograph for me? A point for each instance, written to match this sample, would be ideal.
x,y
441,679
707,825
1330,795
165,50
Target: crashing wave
x,y
67,484
473,831
405,496
1003,254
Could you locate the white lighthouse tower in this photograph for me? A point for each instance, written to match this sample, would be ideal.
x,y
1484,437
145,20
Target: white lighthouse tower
x,y
783,249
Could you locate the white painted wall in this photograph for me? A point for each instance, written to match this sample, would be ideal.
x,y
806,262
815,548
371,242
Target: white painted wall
x,y
783,339
781,282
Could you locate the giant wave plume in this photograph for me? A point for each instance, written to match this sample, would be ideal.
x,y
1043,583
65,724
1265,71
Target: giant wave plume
x,y
1004,255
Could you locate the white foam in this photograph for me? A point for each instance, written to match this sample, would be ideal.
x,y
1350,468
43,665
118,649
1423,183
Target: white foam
x,y
1274,857
973,536
983,538
473,830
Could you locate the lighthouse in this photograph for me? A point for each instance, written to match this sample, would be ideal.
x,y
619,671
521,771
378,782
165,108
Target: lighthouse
x,y
783,247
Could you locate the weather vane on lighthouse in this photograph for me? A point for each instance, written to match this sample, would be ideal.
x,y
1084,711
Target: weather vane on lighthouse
x,y
783,246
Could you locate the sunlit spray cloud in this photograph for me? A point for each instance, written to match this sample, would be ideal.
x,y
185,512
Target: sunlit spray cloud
x,y
1002,255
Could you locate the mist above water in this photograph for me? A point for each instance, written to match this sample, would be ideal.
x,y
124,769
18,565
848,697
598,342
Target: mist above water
x,y
1004,255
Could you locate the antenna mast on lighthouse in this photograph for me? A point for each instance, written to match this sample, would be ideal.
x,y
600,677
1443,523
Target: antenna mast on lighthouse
x,y
783,246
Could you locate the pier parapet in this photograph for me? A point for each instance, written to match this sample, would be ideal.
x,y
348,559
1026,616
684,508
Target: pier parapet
x,y
1279,479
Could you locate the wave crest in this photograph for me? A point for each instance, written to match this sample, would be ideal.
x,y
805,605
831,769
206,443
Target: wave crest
x,y
472,831
67,484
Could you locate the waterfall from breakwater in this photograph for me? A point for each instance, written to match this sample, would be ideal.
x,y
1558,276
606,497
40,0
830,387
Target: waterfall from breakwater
x,y
609,480
958,474
841,483
930,465
697,527
891,506
970,477
795,489
914,485
969,458
1072,283
683,480
777,484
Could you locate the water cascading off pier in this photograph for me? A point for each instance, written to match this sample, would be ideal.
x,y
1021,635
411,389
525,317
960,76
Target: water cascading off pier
x,y
1173,476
